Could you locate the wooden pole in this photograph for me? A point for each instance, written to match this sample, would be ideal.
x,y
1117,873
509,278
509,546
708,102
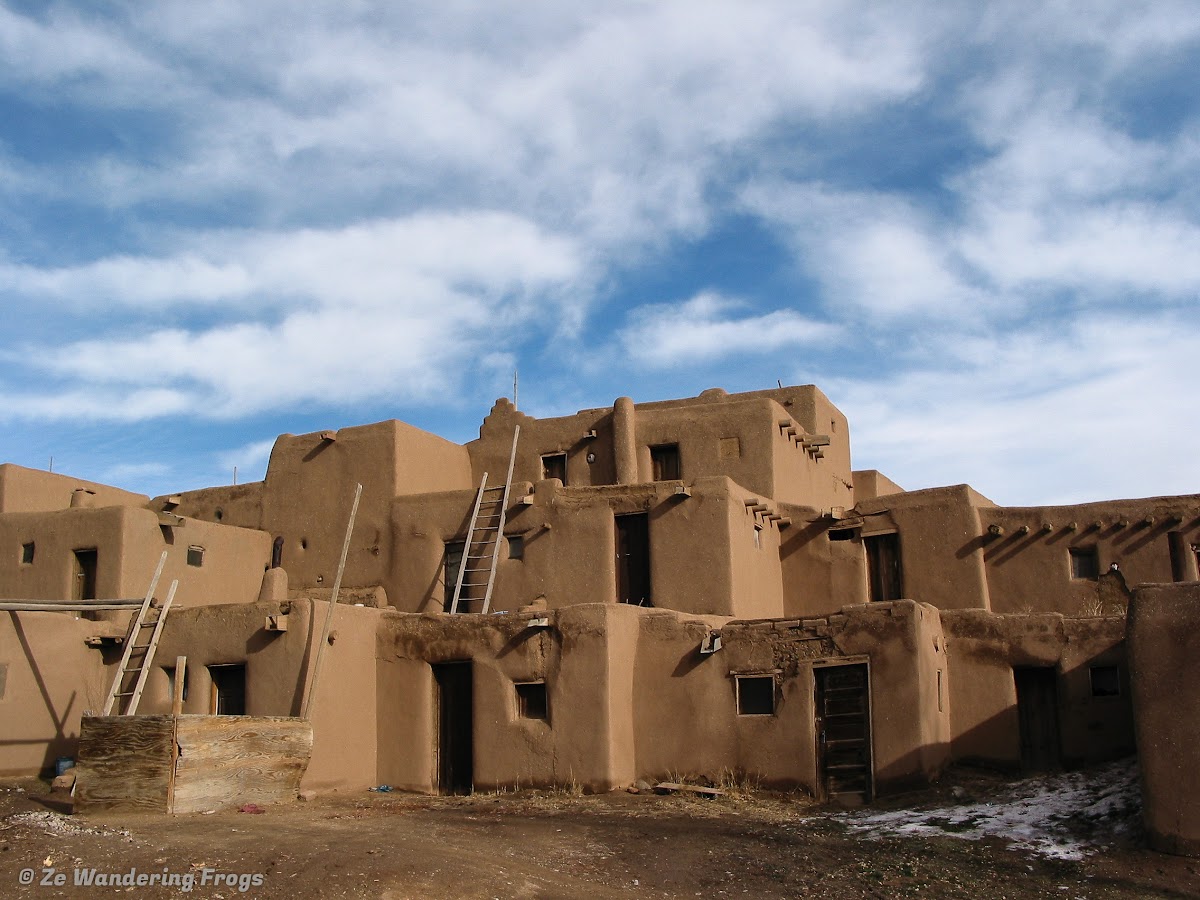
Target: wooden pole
x,y
180,681
337,586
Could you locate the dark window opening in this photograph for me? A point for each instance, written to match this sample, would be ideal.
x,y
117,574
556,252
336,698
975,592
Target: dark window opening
x,y
3,679
554,465
27,551
228,690
219,514
516,546
756,695
84,587
277,552
195,556
1085,563
883,567
1106,681
454,555
531,700
842,534
664,462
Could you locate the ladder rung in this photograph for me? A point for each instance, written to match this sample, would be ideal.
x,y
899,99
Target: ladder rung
x,y
124,693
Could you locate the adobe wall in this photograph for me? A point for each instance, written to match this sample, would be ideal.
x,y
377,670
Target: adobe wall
x,y
1164,650
685,709
940,549
870,484
983,650
819,575
581,659
25,490
278,666
1029,566
48,678
703,555
128,543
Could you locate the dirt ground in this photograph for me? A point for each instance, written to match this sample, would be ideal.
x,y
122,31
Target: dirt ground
x,y
540,845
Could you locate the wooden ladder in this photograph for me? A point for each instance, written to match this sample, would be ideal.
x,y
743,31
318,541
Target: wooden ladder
x,y
149,615
482,549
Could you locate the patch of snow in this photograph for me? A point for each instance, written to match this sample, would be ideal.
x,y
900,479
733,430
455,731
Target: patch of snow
x,y
55,824
1064,816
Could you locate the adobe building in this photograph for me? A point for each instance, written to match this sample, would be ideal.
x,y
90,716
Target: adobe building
x,y
700,587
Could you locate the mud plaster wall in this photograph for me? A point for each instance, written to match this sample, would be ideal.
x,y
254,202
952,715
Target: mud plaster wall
x,y
1031,572
30,490
819,576
577,744
940,551
544,437
278,666
870,483
984,648
49,676
1164,638
128,543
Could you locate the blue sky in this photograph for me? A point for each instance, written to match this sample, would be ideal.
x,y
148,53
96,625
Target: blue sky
x,y
977,229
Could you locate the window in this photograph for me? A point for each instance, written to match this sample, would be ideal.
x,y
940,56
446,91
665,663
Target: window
x,y
729,448
516,546
1085,563
1106,681
3,679
841,534
454,555
27,551
195,556
941,707
664,462
554,465
531,700
756,695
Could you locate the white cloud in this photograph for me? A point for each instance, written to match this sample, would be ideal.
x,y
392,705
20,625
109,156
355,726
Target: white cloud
x,y
707,327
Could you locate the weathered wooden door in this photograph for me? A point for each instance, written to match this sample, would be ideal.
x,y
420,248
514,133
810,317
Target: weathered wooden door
x,y
453,705
1037,710
843,720
633,559
883,567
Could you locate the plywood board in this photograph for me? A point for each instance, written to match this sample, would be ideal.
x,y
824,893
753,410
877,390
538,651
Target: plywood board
x,y
228,761
125,763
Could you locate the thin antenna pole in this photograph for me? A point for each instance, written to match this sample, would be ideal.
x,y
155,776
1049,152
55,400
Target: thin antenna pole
x,y
235,474
52,464
515,390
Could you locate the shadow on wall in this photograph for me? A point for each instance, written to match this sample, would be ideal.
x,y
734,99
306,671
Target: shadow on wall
x,y
60,744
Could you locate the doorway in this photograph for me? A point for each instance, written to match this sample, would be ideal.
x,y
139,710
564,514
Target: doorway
x,y
883,567
453,705
228,690
843,729
633,559
1037,710
83,585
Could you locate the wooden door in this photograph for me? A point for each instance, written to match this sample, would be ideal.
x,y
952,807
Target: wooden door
x,y
453,705
883,567
1037,710
633,559
843,727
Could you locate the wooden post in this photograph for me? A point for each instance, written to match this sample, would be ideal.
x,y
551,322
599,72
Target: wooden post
x,y
337,586
180,681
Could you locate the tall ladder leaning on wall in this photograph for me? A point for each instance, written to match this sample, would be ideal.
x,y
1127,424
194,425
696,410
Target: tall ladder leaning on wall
x,y
138,656
482,549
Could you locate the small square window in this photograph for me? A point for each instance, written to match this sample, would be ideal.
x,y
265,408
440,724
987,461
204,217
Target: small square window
x,y
27,551
756,695
531,700
554,465
1085,563
729,448
1106,681
516,546
195,556
664,462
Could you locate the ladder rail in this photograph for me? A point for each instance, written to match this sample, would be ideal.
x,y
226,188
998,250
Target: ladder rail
x,y
512,459
148,658
134,626
458,584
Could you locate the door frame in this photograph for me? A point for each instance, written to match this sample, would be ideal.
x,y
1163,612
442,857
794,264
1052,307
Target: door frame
x,y
818,745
